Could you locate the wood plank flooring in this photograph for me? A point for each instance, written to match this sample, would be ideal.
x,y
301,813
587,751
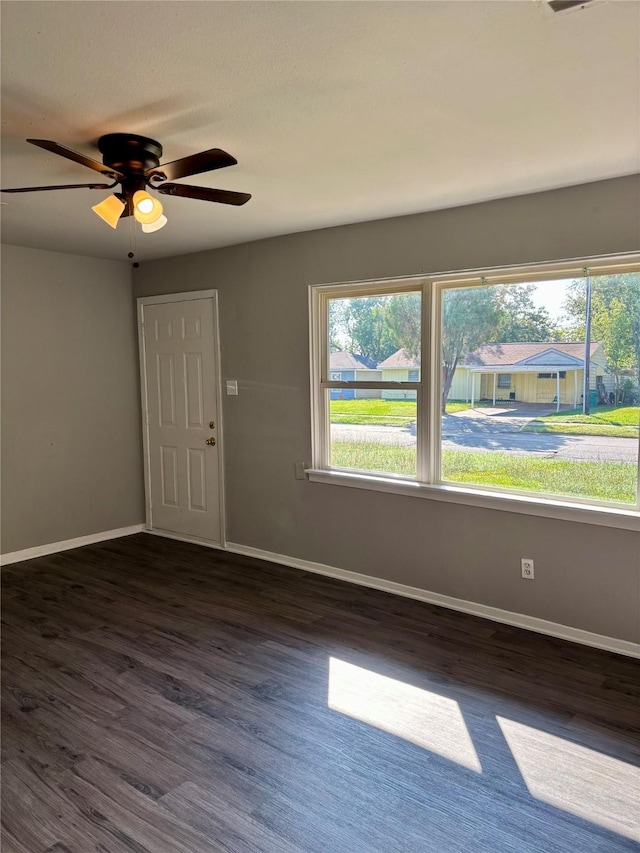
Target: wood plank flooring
x,y
160,697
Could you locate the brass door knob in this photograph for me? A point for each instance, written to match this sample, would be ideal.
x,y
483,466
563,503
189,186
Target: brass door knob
x,y
211,441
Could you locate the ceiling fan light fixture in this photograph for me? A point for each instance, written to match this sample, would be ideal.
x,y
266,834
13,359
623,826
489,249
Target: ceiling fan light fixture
x,y
110,210
149,228
134,162
146,209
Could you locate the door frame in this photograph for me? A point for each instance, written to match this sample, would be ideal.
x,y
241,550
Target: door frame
x,y
188,296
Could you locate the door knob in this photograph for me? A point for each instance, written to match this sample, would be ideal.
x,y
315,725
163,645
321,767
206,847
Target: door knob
x,y
211,441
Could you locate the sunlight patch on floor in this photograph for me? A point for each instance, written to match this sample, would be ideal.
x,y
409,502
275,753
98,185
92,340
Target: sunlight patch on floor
x,y
416,715
581,781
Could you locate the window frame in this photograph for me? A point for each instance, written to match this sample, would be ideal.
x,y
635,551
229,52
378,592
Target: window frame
x,y
561,373
428,482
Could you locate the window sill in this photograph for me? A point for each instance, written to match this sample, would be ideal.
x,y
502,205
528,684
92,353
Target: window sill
x,y
625,519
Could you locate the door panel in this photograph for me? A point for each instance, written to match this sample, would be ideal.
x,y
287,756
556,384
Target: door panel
x,y
181,384
197,478
169,458
166,391
193,390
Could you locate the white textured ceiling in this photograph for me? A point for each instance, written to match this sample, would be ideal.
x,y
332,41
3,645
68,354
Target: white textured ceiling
x,y
336,111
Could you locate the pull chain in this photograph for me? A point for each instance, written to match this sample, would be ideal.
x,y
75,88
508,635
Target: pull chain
x,y
132,241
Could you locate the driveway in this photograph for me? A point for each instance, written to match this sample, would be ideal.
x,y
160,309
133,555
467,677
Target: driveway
x,y
496,430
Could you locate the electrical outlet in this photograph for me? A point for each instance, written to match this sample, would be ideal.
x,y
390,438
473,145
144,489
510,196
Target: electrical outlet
x,y
301,473
527,568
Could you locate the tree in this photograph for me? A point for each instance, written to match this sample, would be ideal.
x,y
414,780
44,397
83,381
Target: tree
x,y
520,319
615,318
616,327
360,326
404,317
470,317
336,324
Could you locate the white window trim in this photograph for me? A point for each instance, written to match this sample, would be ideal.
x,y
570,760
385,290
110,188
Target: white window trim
x,y
428,482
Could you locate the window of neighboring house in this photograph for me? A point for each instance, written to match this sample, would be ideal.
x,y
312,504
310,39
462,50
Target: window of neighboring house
x,y
416,425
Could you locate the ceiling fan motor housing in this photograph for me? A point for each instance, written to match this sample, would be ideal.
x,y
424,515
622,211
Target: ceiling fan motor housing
x,y
130,154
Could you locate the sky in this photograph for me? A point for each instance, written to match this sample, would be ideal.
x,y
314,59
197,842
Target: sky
x,y
551,295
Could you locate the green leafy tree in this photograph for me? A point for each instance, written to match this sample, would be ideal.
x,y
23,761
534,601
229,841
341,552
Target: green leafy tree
x,y
615,319
616,326
470,317
360,326
336,324
519,317
404,318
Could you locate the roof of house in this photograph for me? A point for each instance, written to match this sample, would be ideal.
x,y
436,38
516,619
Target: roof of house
x,y
401,358
342,360
505,355
527,353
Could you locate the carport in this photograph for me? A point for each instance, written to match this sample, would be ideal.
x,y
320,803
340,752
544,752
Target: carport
x,y
473,392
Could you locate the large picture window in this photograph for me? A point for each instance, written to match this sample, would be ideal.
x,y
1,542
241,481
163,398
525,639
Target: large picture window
x,y
510,382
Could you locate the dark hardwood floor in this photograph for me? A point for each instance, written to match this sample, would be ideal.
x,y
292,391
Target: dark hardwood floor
x,y
160,697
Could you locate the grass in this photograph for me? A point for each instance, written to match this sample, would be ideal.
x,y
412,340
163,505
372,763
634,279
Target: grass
x,y
612,421
583,429
455,406
378,412
375,412
606,481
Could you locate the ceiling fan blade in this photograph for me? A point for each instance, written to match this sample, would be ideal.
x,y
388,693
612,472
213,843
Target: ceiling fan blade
x,y
55,148
195,164
59,187
204,193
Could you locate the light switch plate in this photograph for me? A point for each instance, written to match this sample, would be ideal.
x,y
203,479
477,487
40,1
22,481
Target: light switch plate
x,y
232,387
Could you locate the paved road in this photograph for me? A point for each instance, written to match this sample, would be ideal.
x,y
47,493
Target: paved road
x,y
484,434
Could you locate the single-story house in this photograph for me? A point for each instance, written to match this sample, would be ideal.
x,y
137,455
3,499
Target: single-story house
x,y
400,367
348,367
529,372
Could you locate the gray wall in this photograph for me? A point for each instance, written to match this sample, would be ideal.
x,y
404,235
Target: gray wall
x,y
586,577
71,457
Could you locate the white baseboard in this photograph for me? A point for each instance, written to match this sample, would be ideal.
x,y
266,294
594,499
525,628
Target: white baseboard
x,y
518,620
180,537
68,544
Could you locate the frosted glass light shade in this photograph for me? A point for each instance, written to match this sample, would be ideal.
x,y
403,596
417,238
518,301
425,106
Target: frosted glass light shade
x,y
146,209
160,222
110,210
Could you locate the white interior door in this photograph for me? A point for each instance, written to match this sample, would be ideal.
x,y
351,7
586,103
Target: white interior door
x,y
182,430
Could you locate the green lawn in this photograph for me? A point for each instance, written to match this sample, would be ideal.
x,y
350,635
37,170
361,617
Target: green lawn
x,y
455,406
614,421
584,429
608,481
380,412
374,412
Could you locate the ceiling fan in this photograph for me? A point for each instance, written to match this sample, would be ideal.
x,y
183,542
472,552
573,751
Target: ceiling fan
x,y
134,162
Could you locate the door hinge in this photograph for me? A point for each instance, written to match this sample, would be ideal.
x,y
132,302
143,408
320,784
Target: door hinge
x,y
143,328
150,504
